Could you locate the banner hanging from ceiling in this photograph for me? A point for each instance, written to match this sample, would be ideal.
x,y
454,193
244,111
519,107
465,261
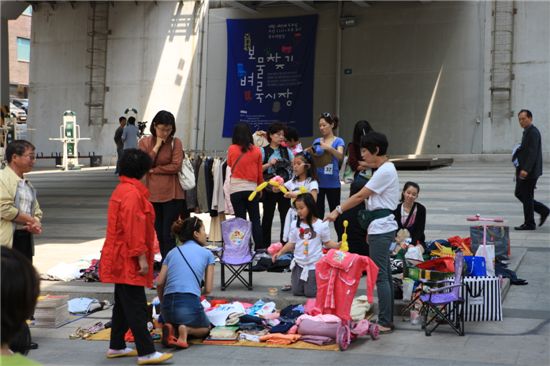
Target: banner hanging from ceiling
x,y
270,65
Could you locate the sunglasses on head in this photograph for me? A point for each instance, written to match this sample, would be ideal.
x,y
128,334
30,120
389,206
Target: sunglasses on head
x,y
326,115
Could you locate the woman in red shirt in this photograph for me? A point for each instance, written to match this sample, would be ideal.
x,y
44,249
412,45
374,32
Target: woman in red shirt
x,y
127,259
245,161
167,196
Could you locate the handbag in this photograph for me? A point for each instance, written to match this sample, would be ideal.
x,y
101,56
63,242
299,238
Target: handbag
x,y
186,174
482,299
475,266
348,174
496,235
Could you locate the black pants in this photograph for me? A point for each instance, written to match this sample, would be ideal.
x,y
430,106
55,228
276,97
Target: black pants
x,y
241,205
130,311
165,215
333,198
23,243
119,152
271,200
525,192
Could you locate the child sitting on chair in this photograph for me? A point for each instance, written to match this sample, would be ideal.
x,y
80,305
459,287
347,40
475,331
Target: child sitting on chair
x,y
307,237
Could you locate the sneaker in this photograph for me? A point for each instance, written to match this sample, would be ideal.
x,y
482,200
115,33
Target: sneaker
x,y
126,352
154,358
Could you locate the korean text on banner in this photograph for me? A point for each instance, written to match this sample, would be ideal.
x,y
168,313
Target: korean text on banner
x,y
270,64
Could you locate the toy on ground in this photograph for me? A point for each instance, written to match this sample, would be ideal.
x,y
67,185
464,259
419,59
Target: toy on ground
x,y
274,248
344,247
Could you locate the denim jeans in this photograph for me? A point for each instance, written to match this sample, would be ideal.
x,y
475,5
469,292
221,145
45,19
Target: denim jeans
x,y
379,249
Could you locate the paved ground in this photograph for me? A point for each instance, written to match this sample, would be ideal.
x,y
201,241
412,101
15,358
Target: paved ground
x,y
75,205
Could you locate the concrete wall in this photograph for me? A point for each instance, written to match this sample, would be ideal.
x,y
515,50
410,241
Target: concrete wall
x,y
414,66
395,53
150,66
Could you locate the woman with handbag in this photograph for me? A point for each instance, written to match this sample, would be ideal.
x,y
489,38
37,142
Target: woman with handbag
x,y
180,284
382,192
162,180
245,161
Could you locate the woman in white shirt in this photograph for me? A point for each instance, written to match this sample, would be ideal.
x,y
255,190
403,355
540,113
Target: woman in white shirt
x,y
382,192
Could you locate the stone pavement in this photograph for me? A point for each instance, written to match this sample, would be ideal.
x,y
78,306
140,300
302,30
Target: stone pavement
x,y
75,205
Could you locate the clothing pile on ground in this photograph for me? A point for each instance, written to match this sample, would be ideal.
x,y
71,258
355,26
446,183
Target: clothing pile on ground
x,y
262,322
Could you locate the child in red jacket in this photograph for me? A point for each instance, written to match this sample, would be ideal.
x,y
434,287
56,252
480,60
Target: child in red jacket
x,y
127,259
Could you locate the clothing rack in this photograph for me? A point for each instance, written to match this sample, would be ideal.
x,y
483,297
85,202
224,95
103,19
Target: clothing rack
x,y
212,153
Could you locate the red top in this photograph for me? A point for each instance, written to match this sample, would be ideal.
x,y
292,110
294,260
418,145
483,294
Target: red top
x,y
354,156
130,233
249,167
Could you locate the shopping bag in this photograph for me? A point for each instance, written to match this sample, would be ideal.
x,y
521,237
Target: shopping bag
x,y
487,252
499,236
482,299
475,266
444,264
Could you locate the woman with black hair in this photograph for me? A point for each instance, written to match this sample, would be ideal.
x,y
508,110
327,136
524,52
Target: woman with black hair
x,y
362,172
276,160
20,289
167,196
127,259
382,192
328,171
245,161
179,285
411,215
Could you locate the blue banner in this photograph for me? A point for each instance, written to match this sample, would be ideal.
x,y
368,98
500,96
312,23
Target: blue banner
x,y
270,66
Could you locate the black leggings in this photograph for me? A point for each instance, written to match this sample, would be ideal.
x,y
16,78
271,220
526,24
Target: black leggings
x,y
333,198
165,215
271,200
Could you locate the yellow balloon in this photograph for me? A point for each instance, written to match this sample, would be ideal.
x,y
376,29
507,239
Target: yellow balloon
x,y
252,195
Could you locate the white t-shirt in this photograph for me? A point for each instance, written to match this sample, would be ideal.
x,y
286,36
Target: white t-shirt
x,y
315,238
294,185
385,185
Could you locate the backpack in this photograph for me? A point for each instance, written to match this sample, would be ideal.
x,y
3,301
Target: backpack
x,y
283,168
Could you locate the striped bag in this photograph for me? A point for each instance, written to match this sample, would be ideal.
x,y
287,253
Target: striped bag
x,y
482,299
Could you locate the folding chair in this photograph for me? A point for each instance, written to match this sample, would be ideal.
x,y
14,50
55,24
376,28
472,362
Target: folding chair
x,y
445,303
236,253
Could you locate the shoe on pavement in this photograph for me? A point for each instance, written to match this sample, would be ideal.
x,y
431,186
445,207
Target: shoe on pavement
x,y
543,218
154,358
525,227
126,352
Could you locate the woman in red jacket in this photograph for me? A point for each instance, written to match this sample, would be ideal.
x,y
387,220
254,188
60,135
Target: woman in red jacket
x,y
127,259
245,161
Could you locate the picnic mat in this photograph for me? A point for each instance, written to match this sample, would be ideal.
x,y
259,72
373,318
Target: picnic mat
x,y
105,335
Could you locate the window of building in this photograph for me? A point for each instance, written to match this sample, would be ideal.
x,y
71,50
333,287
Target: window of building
x,y
23,49
28,11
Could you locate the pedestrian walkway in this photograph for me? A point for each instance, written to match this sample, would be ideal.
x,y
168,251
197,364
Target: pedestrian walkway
x,y
75,205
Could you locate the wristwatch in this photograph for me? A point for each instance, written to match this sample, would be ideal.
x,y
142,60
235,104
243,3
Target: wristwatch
x,y
339,209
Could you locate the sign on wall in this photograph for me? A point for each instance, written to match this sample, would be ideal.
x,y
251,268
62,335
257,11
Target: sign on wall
x,y
270,66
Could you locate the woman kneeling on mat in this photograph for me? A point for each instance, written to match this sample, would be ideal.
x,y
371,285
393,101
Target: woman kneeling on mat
x,y
179,284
